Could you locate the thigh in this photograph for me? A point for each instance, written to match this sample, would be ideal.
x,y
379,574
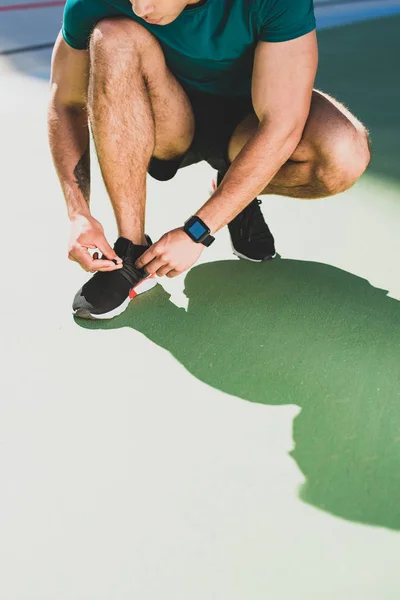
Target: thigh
x,y
328,119
173,115
171,108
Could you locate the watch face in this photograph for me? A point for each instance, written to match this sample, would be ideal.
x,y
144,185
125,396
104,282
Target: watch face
x,y
197,230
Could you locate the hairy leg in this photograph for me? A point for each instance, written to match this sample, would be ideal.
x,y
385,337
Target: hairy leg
x,y
137,109
333,153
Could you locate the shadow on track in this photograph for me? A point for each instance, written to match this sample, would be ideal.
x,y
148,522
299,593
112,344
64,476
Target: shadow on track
x,y
292,332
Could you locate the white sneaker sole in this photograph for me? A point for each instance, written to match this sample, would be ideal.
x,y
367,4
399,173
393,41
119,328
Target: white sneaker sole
x,y
143,286
236,253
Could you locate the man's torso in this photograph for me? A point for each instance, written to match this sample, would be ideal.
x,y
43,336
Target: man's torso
x,y
210,46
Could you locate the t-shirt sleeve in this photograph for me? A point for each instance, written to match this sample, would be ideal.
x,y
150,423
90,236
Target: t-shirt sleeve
x,y
282,20
80,17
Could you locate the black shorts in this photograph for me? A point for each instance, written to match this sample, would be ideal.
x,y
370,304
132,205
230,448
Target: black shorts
x,y
216,118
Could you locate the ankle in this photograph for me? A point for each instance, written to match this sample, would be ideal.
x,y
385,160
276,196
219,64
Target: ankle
x,y
139,240
136,238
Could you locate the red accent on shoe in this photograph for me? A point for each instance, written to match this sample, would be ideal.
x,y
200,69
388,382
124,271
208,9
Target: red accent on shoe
x,y
214,185
132,293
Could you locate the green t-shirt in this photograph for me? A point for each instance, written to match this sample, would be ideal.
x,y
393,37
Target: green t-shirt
x,y
209,47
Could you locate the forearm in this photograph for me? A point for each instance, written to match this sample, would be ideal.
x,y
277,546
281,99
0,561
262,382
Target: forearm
x,y
251,171
69,144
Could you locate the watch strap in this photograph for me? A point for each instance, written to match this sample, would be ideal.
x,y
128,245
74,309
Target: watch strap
x,y
208,241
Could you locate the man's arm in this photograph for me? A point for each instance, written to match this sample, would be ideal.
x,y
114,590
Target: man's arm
x,y
283,80
68,125
68,130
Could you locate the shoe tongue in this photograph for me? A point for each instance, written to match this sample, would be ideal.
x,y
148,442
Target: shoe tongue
x,y
124,248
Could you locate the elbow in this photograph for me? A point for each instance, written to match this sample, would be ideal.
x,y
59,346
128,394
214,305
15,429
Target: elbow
x,y
66,101
73,110
293,137
288,130
287,134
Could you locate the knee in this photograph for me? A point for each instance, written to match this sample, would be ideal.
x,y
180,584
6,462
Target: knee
x,y
344,161
119,33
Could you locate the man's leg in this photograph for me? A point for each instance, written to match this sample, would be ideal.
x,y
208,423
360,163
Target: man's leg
x,y
137,110
333,153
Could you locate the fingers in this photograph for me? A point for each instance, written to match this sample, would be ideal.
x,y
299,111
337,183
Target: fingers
x,y
163,270
97,266
160,267
155,265
107,251
147,257
156,261
92,264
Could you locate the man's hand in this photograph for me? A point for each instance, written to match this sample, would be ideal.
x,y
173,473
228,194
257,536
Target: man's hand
x,y
173,254
86,233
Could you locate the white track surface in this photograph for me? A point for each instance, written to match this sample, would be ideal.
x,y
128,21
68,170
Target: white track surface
x,y
115,464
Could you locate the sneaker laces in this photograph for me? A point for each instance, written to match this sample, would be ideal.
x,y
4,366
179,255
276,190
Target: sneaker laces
x,y
130,271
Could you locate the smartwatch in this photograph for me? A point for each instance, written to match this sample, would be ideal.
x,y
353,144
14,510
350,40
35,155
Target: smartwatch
x,y
198,231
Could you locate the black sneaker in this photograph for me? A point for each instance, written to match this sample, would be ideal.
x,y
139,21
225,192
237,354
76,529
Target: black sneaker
x,y
250,235
107,295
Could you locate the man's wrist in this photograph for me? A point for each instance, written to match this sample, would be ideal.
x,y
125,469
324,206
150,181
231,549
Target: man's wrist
x,y
78,213
198,231
207,217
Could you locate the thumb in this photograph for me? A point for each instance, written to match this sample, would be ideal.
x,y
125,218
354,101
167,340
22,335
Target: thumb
x,y
108,252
